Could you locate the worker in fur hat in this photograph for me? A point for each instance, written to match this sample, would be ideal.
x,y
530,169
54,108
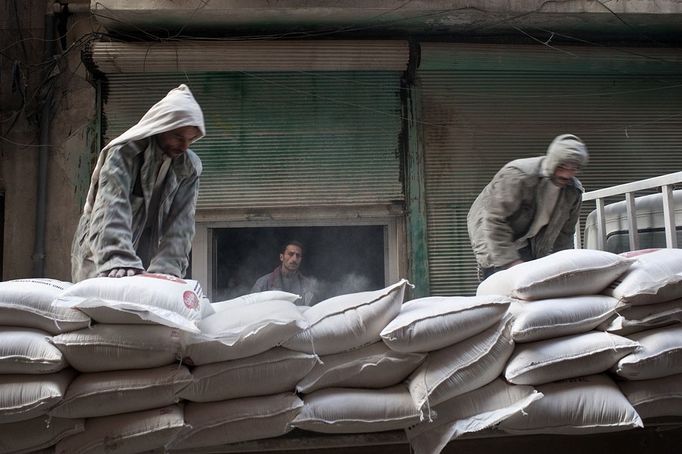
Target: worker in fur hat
x,y
529,209
139,212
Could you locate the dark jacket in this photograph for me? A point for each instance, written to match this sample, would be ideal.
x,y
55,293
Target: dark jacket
x,y
504,211
108,236
297,284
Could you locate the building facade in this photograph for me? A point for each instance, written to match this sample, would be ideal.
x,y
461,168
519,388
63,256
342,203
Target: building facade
x,y
365,129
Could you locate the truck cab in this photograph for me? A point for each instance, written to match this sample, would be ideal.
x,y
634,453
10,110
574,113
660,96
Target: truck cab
x,y
638,222
649,220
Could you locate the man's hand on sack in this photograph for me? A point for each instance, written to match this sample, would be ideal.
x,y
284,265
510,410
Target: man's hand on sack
x,y
120,272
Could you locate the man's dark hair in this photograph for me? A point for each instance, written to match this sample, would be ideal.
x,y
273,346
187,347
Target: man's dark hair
x,y
292,243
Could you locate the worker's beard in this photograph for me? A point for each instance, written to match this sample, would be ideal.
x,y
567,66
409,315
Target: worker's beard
x,y
560,182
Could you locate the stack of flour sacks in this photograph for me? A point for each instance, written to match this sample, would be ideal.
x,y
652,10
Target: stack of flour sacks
x,y
357,363
34,375
598,335
146,363
94,361
650,294
257,351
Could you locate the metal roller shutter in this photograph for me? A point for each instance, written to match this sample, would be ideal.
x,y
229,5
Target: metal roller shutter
x,y
289,123
485,105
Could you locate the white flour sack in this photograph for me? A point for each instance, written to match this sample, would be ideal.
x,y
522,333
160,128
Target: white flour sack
x,y
570,272
584,405
232,421
349,410
254,298
145,298
427,324
349,321
28,351
242,331
655,277
374,366
470,412
127,433
24,397
565,357
660,354
633,319
110,393
655,398
119,347
28,303
275,371
37,433
462,367
556,317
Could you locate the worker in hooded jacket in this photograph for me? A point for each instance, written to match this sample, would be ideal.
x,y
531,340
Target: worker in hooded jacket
x,y
139,212
529,209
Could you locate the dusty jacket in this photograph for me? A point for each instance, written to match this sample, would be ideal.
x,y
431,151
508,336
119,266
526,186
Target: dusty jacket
x,y
116,210
109,235
298,284
504,211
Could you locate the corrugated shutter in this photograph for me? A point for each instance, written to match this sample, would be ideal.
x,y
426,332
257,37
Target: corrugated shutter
x,y
480,113
282,139
212,56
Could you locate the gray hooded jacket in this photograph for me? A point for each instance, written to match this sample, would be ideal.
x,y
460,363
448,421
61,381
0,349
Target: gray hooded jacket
x,y
504,211
115,215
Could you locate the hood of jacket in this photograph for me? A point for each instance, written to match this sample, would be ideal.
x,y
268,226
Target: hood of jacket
x,y
177,109
566,148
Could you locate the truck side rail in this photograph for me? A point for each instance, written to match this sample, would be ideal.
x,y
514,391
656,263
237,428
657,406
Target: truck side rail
x,y
664,182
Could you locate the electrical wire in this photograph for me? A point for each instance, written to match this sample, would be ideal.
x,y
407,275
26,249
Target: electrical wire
x,y
87,38
622,21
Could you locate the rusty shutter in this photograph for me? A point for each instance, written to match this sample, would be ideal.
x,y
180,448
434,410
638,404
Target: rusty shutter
x,y
288,124
483,106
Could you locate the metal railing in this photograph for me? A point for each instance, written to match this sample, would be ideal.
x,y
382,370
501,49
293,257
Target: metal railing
x,y
664,182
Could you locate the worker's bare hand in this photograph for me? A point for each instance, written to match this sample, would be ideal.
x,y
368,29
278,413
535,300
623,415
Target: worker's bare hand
x,y
121,272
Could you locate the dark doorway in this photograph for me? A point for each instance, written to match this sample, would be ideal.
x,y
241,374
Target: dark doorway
x,y
343,259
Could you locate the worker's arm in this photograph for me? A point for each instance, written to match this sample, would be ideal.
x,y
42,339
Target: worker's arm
x,y
504,199
566,235
110,230
175,242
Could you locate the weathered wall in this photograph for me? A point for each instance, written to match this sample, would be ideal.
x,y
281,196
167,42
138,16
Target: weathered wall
x,y
72,136
464,18
72,157
21,30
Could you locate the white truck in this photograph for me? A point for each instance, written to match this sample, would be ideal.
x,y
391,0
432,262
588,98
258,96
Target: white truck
x,y
650,221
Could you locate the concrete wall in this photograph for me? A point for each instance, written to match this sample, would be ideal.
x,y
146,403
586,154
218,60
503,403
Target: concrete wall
x,y
72,136
73,122
462,18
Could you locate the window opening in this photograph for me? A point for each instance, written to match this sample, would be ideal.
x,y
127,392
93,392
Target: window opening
x,y
342,259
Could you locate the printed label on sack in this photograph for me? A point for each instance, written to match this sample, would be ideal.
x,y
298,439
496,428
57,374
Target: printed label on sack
x,y
191,300
59,285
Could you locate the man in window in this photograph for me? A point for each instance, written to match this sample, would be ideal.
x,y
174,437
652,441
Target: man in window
x,y
287,276
529,209
139,212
